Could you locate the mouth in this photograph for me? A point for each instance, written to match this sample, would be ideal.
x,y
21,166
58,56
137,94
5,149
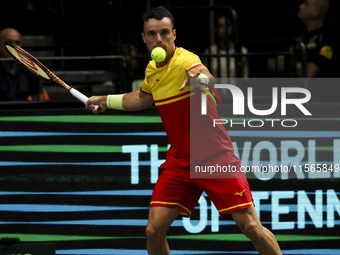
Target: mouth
x,y
163,47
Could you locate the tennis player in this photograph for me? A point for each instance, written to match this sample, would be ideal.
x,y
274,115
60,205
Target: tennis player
x,y
167,84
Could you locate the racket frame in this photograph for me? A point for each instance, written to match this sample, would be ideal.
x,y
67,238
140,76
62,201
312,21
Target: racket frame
x,y
29,62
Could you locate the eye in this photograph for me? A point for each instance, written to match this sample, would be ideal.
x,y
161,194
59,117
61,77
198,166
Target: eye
x,y
151,33
165,32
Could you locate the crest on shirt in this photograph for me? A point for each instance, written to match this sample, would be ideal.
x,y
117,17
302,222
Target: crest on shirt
x,y
326,51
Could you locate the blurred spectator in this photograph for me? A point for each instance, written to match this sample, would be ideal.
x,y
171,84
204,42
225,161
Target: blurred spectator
x,y
319,47
16,82
221,67
135,74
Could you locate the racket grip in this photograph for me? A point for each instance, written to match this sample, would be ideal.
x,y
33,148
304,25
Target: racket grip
x,y
81,96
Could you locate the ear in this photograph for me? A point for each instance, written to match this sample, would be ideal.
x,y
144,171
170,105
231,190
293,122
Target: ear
x,y
143,36
174,34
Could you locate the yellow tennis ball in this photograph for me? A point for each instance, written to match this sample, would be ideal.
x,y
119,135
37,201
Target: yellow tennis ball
x,y
158,54
204,78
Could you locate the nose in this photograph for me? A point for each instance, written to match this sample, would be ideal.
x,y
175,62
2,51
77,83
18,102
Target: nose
x,y
159,38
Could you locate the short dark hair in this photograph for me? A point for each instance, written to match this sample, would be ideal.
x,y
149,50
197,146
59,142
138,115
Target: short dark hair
x,y
158,13
323,5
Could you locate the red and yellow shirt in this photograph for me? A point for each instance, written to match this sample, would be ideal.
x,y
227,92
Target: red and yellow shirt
x,y
174,109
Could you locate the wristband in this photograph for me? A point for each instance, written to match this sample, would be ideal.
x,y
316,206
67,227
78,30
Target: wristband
x,y
204,78
115,102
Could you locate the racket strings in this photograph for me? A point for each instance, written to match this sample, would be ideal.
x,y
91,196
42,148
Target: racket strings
x,y
44,69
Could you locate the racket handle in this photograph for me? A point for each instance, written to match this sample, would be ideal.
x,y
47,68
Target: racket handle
x,y
81,96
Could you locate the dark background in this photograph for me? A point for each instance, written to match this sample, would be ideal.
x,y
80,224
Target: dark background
x,y
113,23
60,28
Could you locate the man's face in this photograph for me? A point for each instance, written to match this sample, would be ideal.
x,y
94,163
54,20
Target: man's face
x,y
9,36
308,10
160,33
224,28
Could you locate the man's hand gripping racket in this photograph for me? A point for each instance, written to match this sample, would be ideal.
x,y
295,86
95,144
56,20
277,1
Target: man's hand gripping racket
x,y
38,68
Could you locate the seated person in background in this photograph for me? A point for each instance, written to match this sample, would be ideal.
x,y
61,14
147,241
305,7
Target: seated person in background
x,y
238,66
317,41
16,82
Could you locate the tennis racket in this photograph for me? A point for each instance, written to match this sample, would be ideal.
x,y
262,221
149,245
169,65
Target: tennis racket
x,y
38,68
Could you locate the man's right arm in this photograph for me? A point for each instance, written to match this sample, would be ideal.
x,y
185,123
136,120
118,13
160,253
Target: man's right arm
x,y
133,101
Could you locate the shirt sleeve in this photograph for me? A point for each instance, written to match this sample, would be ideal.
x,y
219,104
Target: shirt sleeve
x,y
322,53
324,56
145,87
193,62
